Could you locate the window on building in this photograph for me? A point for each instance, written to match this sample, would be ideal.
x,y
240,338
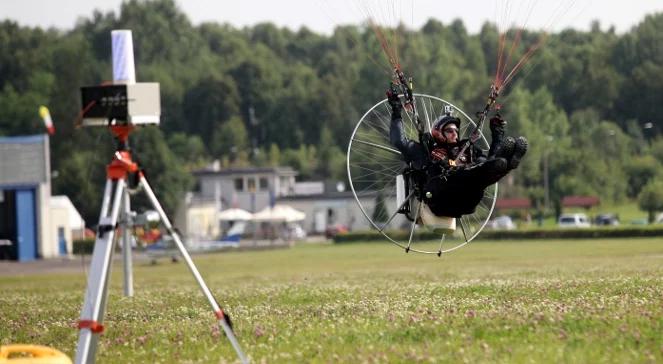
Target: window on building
x,y
263,183
252,184
331,216
239,184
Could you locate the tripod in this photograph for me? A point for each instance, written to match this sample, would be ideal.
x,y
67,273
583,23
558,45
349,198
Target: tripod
x,y
121,174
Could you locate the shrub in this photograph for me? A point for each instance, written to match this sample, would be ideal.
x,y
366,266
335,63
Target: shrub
x,y
586,233
83,246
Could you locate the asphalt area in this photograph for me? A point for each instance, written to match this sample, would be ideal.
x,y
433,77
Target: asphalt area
x,y
75,264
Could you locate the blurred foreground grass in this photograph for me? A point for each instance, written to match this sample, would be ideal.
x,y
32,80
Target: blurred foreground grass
x,y
511,302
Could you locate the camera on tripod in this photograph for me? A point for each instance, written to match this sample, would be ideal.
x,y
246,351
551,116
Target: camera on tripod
x,y
124,102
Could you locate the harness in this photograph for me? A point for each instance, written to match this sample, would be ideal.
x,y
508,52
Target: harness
x,y
416,179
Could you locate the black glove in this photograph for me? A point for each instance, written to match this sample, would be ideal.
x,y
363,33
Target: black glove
x,y
497,121
393,99
497,124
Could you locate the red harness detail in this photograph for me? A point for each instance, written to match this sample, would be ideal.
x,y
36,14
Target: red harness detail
x,y
438,154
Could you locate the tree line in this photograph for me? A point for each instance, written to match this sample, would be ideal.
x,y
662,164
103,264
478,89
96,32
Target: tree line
x,y
265,95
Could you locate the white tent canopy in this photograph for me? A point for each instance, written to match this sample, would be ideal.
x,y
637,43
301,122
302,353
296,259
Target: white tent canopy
x,y
234,215
279,213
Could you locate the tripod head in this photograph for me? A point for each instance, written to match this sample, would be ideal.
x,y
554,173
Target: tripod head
x,y
121,106
123,102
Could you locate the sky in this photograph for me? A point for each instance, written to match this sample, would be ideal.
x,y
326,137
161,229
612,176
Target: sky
x,y
323,15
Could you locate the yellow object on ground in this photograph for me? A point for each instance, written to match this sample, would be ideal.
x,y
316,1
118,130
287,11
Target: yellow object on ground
x,y
31,354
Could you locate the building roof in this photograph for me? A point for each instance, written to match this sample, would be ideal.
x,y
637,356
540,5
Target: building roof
x,y
24,139
513,203
25,160
580,201
282,171
309,188
318,196
327,196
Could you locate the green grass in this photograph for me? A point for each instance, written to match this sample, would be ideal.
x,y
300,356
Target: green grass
x,y
593,301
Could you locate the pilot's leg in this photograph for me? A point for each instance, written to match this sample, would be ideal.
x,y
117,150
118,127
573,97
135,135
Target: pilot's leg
x,y
484,174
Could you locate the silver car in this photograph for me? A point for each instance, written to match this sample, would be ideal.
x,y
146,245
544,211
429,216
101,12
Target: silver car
x,y
574,220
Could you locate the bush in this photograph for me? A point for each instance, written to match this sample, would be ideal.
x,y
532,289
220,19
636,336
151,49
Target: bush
x,y
586,233
83,246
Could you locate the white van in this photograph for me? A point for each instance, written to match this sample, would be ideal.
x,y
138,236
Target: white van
x,y
573,220
659,219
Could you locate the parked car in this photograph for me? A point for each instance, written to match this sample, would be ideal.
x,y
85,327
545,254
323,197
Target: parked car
x,y
573,220
659,219
501,222
606,220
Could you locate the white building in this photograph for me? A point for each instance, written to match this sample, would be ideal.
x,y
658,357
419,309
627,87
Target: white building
x,y
253,189
249,189
66,224
198,219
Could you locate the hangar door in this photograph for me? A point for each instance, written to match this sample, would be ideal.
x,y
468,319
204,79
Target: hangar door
x,y
26,224
18,224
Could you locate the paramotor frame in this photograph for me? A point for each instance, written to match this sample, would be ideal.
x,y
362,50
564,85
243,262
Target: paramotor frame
x,y
374,166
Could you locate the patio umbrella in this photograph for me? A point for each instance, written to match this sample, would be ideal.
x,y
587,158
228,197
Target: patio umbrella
x,y
279,213
234,215
291,214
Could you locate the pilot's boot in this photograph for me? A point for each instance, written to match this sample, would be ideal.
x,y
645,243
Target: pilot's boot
x,y
505,148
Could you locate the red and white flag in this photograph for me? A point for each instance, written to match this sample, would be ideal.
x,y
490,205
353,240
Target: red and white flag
x,y
48,122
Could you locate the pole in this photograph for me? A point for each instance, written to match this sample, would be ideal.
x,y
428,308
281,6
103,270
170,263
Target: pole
x,y
546,174
546,185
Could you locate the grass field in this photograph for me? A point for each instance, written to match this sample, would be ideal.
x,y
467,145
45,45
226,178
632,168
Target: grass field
x,y
593,301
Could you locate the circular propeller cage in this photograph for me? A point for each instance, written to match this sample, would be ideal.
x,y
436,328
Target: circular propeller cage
x,y
374,166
